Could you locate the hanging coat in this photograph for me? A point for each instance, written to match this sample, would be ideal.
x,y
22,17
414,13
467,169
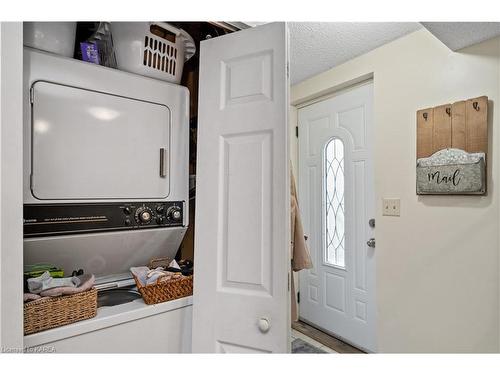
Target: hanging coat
x,y
300,256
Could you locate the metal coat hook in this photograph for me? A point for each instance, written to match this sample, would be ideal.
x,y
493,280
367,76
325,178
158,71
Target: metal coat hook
x,y
448,111
475,105
425,116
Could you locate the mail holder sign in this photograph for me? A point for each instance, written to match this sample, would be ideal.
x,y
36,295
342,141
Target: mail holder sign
x,y
452,148
452,171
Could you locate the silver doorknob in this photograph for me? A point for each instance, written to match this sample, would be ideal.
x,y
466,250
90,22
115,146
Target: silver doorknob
x,y
264,325
371,242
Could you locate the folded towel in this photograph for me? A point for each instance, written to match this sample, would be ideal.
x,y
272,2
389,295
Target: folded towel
x,y
45,281
85,282
30,297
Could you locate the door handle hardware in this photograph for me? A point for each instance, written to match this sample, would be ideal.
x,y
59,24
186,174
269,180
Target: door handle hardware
x,y
163,172
264,325
371,242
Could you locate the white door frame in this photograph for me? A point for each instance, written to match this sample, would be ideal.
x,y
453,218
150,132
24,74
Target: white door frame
x,y
314,98
11,186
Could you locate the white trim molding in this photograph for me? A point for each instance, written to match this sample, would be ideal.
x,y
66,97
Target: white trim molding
x,y
11,180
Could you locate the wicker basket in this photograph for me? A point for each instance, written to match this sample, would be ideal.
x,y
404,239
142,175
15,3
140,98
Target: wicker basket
x,y
166,290
40,315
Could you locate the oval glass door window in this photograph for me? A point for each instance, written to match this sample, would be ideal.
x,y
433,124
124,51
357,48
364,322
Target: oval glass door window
x,y
334,251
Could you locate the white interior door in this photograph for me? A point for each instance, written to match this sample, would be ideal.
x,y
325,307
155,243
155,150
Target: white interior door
x,y
336,192
242,238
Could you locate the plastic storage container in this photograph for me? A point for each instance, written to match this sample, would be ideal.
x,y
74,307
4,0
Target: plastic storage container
x,y
152,49
55,37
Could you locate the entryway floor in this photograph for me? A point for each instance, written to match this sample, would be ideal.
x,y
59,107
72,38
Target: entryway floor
x,y
310,341
321,340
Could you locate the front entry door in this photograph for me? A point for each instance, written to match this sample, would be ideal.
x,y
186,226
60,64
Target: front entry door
x,y
242,236
336,194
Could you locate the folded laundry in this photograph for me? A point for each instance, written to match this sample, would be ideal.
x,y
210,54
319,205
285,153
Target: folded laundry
x,y
36,270
43,282
147,276
85,282
153,275
30,297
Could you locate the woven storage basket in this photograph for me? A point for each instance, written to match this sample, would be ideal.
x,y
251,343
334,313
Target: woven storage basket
x,y
166,290
58,311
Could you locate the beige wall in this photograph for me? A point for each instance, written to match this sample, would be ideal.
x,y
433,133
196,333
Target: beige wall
x,y
437,264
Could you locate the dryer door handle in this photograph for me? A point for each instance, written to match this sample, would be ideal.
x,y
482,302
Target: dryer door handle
x,y
163,163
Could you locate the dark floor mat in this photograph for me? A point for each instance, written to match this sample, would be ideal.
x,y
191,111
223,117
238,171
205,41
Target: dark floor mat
x,y
300,346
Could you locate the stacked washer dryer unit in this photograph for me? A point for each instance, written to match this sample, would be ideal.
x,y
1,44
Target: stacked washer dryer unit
x,y
105,167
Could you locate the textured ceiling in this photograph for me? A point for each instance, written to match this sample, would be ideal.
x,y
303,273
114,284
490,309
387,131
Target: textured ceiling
x,y
457,35
319,46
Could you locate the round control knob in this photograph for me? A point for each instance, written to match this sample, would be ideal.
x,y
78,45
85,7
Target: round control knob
x,y
127,210
143,215
160,209
174,213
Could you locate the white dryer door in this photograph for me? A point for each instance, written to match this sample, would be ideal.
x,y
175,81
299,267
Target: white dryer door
x,y
91,145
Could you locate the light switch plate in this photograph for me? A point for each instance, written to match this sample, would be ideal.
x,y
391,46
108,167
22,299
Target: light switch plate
x,y
390,207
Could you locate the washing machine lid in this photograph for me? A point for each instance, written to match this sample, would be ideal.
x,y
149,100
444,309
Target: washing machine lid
x,y
91,145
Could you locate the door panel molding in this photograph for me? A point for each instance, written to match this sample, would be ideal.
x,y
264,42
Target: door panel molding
x,y
242,235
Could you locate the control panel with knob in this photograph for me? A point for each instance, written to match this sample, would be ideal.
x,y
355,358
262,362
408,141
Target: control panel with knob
x,y
174,213
96,217
143,215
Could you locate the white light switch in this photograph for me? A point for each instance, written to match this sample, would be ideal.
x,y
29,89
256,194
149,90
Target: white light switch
x,y
390,207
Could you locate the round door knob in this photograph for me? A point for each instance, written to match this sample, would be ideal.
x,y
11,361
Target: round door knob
x,y
264,325
371,242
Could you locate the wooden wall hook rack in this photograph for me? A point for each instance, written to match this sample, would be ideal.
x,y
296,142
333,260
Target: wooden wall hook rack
x,y
441,131
461,125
